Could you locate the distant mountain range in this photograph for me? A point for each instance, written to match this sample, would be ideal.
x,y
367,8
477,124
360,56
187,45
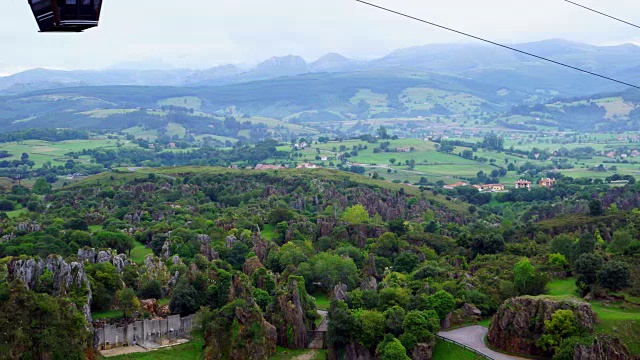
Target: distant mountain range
x,y
492,66
474,83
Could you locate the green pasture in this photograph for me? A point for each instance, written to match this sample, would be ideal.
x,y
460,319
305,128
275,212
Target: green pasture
x,y
448,351
43,151
109,314
322,301
190,102
139,253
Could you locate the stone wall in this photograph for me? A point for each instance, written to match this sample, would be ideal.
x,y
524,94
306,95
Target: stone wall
x,y
141,332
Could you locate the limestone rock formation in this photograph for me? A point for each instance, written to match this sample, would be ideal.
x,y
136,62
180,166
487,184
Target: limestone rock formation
x,y
292,313
238,332
519,322
466,314
262,247
470,310
240,288
155,269
150,305
230,240
369,283
251,265
92,256
28,227
205,248
87,254
422,351
339,292
165,253
352,350
603,348
356,351
67,276
104,256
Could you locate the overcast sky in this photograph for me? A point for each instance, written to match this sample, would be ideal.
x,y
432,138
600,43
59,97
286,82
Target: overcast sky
x,y
200,34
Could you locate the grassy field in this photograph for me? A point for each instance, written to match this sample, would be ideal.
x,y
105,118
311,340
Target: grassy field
x,y
561,287
189,351
104,113
140,252
15,213
106,314
164,301
140,133
322,301
269,232
176,129
96,228
620,319
448,351
190,102
42,152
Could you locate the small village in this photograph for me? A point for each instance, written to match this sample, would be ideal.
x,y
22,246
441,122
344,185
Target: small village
x,y
520,184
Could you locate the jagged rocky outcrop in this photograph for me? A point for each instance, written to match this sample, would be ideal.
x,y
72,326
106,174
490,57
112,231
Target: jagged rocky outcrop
x,y
155,269
231,240
262,247
205,247
240,288
28,227
68,277
466,314
251,265
339,292
238,332
519,322
165,253
292,313
423,351
603,348
370,275
92,256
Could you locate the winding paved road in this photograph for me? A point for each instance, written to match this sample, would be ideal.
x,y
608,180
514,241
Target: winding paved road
x,y
473,337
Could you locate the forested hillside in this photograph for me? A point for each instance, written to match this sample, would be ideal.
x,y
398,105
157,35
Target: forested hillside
x,y
259,252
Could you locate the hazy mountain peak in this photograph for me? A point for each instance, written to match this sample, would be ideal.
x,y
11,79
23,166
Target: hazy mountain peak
x,y
333,62
285,65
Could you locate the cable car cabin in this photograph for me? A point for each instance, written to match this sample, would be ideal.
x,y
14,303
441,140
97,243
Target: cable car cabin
x,y
66,15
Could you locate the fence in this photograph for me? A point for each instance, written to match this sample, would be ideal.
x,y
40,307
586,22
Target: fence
x,y
140,332
464,346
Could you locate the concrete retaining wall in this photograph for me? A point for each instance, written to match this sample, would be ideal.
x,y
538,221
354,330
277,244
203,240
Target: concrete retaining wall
x,y
139,332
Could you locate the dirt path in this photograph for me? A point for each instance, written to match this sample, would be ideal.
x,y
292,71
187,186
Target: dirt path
x,y
318,340
122,351
473,337
324,324
308,356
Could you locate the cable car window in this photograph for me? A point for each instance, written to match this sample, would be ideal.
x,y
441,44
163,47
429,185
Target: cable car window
x,y
71,2
40,4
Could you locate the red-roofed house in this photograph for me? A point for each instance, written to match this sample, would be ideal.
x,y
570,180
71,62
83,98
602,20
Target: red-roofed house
x,y
523,184
547,183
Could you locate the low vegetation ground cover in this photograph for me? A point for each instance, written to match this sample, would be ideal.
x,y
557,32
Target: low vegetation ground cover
x,y
140,252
